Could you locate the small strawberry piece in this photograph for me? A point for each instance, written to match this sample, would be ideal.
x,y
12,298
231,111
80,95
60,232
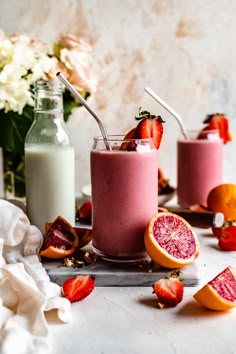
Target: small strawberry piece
x,y
227,236
150,126
169,291
84,214
78,288
219,121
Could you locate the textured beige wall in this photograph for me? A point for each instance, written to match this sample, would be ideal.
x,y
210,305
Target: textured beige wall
x,y
185,50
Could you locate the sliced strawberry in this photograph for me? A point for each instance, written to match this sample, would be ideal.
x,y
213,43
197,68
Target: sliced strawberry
x,y
219,121
169,291
77,288
150,126
130,135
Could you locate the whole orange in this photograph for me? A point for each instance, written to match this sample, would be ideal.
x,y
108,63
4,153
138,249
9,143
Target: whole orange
x,y
222,199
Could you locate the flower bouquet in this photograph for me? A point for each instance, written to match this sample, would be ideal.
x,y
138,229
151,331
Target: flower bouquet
x,y
23,61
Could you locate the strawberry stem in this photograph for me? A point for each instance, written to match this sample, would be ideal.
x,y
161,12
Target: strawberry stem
x,y
148,115
210,116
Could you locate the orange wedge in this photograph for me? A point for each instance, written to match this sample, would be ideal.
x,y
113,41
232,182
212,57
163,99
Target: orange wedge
x,y
60,239
219,294
171,241
56,253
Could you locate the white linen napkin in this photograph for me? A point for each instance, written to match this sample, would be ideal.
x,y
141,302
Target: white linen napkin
x,y
26,291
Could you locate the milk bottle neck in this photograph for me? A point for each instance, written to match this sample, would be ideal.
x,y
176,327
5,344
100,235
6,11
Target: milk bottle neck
x,y
48,126
48,100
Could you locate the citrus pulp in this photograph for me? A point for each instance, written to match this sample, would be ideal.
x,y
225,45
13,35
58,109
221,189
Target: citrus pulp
x,y
171,241
219,294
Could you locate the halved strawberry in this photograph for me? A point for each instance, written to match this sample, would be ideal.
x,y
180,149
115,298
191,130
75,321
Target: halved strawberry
x,y
169,291
150,126
219,121
78,288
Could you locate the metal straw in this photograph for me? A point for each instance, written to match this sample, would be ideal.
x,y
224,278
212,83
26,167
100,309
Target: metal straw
x,y
169,109
85,104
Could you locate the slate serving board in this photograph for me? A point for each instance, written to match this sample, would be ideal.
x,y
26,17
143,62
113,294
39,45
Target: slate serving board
x,y
119,274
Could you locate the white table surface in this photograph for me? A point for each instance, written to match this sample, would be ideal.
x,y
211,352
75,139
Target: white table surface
x,y
127,319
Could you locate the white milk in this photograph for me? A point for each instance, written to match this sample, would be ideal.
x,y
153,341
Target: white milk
x,y
50,183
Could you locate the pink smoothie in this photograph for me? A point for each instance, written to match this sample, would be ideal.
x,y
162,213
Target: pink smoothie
x,y
124,197
200,166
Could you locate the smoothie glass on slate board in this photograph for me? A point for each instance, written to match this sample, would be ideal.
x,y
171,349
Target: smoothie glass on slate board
x,y
200,166
124,195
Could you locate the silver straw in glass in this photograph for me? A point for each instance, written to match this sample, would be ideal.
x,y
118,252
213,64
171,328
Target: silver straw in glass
x,y
169,109
85,104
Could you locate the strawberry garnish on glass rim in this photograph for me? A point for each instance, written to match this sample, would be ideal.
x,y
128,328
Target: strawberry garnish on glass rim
x,y
219,121
150,126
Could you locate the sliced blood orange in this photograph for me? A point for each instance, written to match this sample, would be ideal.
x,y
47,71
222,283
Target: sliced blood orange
x,y
60,239
219,294
162,210
171,241
56,253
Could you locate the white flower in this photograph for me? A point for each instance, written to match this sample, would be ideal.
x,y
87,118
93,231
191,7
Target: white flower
x,y
22,63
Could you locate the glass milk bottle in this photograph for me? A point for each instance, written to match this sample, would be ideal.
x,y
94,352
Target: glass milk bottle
x,y
49,160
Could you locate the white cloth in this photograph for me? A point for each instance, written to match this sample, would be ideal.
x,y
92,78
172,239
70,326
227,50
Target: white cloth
x,y
26,291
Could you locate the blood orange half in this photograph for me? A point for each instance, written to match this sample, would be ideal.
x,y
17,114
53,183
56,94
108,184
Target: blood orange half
x,y
171,241
219,294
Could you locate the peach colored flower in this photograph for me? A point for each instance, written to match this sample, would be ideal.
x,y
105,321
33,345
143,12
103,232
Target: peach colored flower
x,y
71,41
73,62
78,69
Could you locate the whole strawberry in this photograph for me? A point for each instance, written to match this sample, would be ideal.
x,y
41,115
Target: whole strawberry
x,y
169,291
227,236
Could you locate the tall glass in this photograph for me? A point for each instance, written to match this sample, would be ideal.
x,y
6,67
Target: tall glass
x,y
124,196
200,166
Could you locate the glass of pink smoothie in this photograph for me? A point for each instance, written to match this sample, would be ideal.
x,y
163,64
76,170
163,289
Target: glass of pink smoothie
x,y
124,196
200,166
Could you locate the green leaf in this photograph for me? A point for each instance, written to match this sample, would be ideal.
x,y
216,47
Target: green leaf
x,y
70,103
13,129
